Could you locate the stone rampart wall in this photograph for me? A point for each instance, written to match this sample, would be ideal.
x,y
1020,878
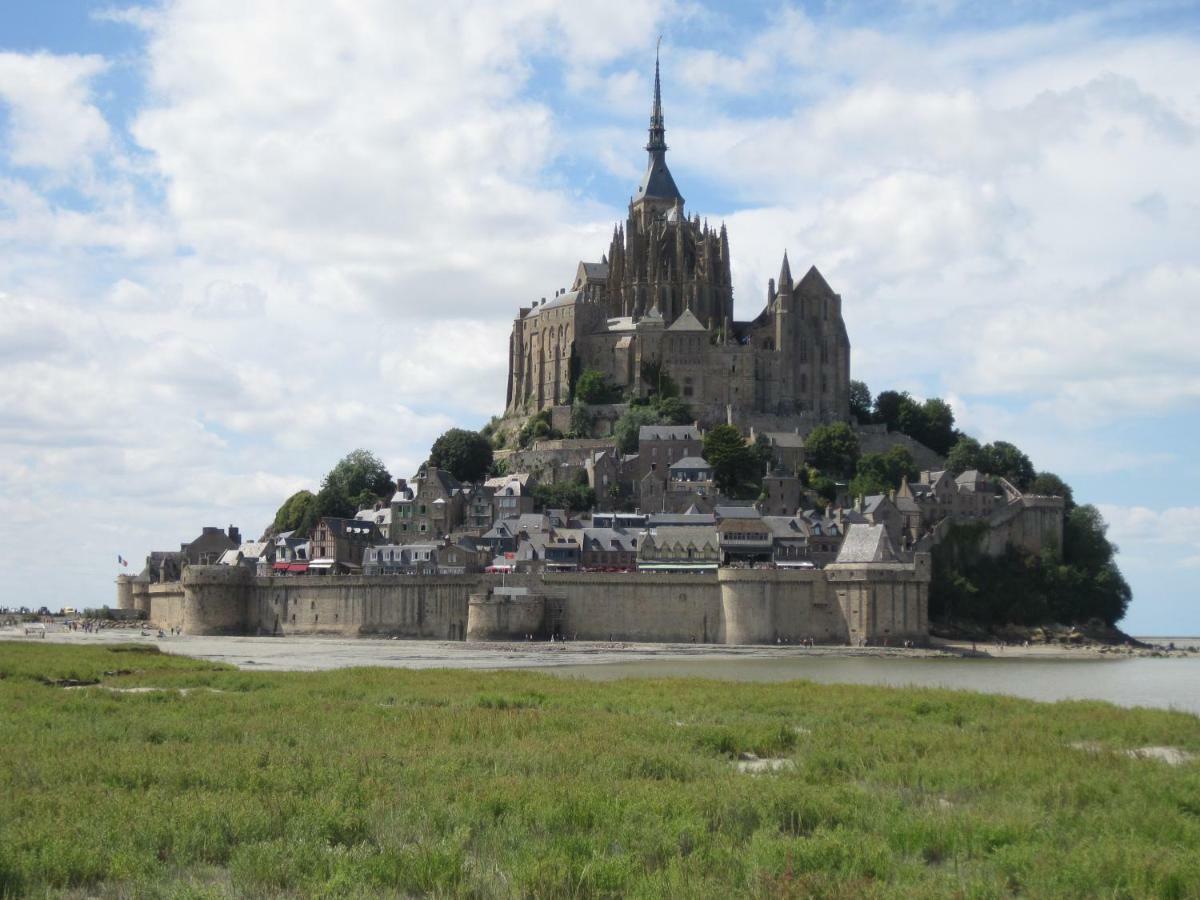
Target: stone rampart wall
x,y
734,606
630,607
401,605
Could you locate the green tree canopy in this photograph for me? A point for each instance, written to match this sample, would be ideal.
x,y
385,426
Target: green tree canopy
x,y
1000,458
298,513
574,496
879,473
358,480
860,401
930,422
1050,485
1006,460
965,454
627,427
593,388
673,411
1078,583
832,449
467,455
735,465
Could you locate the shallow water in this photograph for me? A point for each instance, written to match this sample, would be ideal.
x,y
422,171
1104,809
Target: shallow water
x,y
1171,683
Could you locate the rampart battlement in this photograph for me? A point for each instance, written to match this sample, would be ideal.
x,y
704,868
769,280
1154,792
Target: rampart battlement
x,y
732,606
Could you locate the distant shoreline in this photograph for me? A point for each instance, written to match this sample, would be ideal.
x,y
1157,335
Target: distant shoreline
x,y
310,652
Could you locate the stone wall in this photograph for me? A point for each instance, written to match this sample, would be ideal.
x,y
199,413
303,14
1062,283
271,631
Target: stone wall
x,y
763,606
401,605
631,607
1031,523
734,606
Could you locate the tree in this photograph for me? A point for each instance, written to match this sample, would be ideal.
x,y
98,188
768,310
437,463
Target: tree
x,y
887,408
574,495
964,455
832,449
581,422
1085,539
930,422
937,431
764,454
1007,461
734,463
298,513
358,477
878,473
1048,484
593,388
860,401
673,411
538,426
822,485
467,455
333,500
655,376
627,427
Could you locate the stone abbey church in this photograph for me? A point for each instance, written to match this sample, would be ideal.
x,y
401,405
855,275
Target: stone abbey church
x,y
661,300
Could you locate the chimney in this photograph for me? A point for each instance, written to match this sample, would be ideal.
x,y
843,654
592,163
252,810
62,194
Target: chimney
x,y
235,535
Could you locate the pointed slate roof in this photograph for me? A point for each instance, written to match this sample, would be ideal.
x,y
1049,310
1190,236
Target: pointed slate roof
x,y
687,321
657,182
866,544
814,282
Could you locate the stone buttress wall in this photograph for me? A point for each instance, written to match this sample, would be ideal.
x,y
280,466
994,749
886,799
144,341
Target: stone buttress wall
x,y
765,606
735,606
216,599
163,603
668,608
497,617
882,601
400,605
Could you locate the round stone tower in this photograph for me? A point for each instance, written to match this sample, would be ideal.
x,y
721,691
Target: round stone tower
x,y
125,592
216,599
505,614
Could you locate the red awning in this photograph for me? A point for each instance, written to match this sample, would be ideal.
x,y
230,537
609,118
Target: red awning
x,y
280,567
297,567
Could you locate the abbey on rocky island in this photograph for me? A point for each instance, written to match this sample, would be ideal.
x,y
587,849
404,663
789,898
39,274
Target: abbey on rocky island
x,y
661,300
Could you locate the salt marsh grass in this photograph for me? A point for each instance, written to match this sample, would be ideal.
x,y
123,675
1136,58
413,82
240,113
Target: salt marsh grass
x,y
370,782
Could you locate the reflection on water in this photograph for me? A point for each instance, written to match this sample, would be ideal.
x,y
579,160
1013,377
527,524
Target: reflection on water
x,y
1166,683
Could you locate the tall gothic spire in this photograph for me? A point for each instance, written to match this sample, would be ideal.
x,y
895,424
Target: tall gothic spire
x,y
657,183
658,131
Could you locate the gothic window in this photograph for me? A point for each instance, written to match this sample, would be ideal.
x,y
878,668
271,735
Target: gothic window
x,y
803,350
803,382
825,350
824,384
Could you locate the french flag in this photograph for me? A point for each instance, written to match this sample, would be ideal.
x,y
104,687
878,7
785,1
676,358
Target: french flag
x,y
122,561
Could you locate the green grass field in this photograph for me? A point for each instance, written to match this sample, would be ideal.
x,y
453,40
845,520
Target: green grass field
x,y
389,782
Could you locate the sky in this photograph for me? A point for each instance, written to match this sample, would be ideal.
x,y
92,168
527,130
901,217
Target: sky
x,y
238,240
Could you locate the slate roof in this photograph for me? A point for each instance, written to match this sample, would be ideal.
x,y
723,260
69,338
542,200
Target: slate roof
x,y
680,520
687,537
737,512
687,321
814,282
691,462
866,544
786,527
668,433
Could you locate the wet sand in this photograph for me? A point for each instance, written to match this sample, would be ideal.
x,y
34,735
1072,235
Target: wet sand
x,y
321,653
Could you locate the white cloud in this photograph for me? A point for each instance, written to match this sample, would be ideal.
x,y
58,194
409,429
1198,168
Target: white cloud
x,y
53,123
1167,538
